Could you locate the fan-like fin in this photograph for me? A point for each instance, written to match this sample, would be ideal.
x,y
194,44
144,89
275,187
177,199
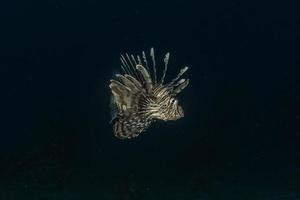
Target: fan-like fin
x,y
145,60
128,83
181,86
132,63
113,109
153,64
166,61
133,59
146,77
179,82
126,66
136,82
122,95
182,71
140,61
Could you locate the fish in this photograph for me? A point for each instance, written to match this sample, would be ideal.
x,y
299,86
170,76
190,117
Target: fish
x,y
138,98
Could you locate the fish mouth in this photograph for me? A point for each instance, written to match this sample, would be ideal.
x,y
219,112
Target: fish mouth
x,y
180,112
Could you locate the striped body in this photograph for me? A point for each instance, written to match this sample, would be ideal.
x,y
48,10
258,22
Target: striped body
x,y
138,99
131,126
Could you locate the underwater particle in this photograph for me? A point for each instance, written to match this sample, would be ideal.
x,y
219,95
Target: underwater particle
x,y
138,99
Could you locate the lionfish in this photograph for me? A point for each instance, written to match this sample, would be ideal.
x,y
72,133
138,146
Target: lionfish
x,y
138,98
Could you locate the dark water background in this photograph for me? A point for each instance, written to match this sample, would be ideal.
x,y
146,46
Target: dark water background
x,y
240,135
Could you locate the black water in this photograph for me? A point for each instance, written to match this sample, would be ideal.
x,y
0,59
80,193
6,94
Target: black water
x,y
240,135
